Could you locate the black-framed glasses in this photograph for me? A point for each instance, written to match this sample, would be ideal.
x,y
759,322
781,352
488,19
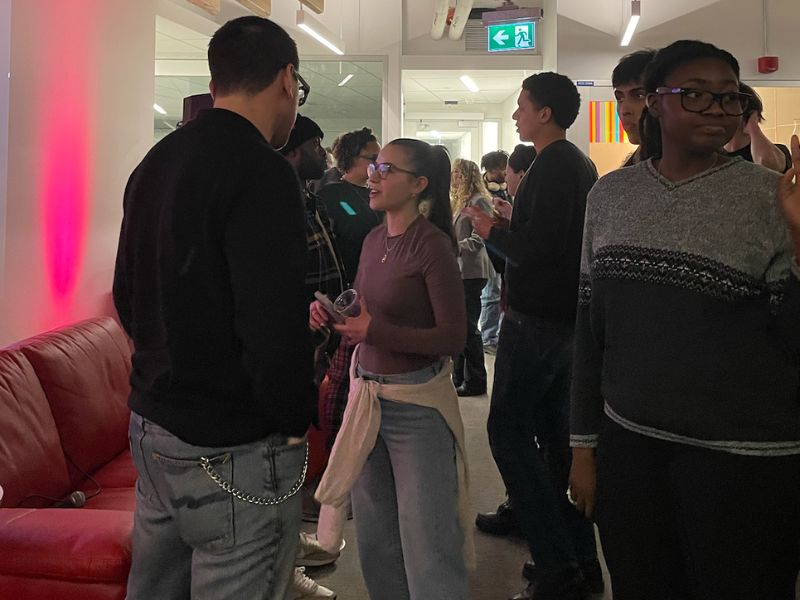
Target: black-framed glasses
x,y
304,89
383,170
734,104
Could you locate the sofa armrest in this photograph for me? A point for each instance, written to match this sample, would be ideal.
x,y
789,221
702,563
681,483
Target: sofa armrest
x,y
70,544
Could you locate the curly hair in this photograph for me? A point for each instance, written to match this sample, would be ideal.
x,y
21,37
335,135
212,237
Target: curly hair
x,y
348,146
471,183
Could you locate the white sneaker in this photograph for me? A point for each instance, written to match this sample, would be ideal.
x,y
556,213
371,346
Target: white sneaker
x,y
311,554
305,588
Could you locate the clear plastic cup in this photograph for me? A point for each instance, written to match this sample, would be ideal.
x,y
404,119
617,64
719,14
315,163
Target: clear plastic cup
x,y
346,304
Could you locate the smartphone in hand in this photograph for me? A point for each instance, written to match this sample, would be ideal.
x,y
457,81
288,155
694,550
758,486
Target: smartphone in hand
x,y
328,306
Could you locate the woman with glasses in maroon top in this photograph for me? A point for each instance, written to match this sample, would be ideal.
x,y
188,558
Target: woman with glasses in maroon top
x,y
406,498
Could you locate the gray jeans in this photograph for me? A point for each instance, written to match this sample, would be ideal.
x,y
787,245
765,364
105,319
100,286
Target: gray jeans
x,y
410,542
193,539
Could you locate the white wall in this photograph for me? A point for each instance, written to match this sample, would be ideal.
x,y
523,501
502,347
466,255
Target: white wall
x,y
734,25
5,81
81,97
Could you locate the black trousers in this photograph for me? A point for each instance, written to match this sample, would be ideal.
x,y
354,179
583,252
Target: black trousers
x,y
469,367
679,522
528,430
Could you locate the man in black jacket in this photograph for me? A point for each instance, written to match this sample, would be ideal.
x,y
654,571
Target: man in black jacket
x,y
209,284
529,414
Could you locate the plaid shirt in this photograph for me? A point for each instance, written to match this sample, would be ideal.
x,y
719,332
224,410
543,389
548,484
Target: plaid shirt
x,y
324,270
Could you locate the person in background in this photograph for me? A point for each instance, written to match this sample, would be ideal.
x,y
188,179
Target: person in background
x,y
330,175
467,189
627,80
347,203
493,165
222,388
519,161
751,143
529,412
401,445
685,419
325,271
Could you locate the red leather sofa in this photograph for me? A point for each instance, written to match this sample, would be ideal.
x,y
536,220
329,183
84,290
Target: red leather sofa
x,y
63,418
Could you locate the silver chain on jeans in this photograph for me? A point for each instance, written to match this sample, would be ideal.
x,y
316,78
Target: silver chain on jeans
x,y
244,496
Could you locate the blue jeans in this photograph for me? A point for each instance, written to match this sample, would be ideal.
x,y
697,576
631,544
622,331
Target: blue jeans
x,y
410,542
529,436
489,323
193,539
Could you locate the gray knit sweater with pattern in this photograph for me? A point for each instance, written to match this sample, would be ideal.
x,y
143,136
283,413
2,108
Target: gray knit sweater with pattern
x,y
688,325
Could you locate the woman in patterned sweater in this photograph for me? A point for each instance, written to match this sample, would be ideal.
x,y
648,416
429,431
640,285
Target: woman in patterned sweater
x,y
686,400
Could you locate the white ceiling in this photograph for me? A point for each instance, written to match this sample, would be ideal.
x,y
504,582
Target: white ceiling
x,y
611,16
434,87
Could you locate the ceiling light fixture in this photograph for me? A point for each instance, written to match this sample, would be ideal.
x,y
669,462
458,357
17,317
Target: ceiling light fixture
x,y
318,31
636,12
345,80
469,83
159,110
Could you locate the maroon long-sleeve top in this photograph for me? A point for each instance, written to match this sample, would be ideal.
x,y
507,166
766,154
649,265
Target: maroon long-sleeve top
x,y
415,297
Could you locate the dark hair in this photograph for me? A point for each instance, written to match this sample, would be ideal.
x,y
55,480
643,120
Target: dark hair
x,y
667,60
444,149
754,104
558,93
433,163
246,55
497,159
521,158
348,146
630,68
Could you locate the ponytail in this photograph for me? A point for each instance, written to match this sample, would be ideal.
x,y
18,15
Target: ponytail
x,y
650,131
433,163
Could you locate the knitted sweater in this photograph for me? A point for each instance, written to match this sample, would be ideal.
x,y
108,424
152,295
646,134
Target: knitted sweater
x,y
688,325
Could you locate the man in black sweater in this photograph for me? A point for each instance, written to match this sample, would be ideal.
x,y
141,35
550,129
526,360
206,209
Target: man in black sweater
x,y
529,415
209,284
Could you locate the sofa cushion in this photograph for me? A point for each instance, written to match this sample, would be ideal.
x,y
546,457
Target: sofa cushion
x,y
120,472
31,460
71,544
26,587
84,370
112,499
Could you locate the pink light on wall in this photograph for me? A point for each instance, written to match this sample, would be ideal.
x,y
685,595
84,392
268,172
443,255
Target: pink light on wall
x,y
65,105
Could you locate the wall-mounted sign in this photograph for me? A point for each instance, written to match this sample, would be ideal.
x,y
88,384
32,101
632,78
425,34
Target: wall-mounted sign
x,y
512,36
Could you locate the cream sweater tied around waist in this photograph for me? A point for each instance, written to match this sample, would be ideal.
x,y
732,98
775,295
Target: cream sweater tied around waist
x,y
357,437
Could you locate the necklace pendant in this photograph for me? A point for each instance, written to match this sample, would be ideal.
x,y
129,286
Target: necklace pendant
x,y
383,260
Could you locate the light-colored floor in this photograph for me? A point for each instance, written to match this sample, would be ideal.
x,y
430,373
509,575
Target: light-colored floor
x,y
498,572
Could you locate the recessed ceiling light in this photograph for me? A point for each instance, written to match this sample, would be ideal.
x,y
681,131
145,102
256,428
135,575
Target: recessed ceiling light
x,y
469,83
345,80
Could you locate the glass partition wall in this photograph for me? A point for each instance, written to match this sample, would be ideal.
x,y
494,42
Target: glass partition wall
x,y
345,95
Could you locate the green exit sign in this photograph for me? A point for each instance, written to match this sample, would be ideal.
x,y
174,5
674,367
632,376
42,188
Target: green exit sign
x,y
512,36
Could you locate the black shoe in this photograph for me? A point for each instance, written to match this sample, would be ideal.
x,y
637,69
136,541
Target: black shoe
x,y
564,582
592,573
468,390
502,522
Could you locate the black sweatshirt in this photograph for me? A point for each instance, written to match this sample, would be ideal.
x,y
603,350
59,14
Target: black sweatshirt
x,y
209,284
543,245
